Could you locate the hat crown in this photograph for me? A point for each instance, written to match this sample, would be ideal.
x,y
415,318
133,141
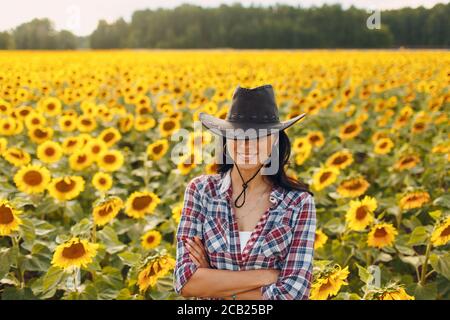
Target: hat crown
x,y
254,105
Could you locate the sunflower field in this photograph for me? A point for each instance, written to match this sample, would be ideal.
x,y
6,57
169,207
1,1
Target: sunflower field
x,y
90,198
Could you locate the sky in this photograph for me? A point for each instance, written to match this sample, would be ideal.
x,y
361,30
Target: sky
x,y
81,16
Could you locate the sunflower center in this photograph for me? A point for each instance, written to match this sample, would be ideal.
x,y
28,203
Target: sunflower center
x,y
102,180
96,149
361,213
108,137
49,152
354,185
141,202
51,106
340,159
109,158
350,128
33,178
105,211
150,239
380,233
63,186
6,215
40,133
75,251
157,149
446,232
324,177
168,125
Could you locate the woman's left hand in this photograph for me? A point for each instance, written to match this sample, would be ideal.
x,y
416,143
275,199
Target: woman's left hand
x,y
197,252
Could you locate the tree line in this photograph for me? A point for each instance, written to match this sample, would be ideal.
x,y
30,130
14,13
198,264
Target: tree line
x,y
237,26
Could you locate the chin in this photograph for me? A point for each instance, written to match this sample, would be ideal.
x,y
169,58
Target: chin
x,y
250,165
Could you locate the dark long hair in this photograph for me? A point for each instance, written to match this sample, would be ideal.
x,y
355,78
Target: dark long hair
x,y
280,178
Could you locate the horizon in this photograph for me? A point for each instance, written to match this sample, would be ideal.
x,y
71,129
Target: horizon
x,y
71,15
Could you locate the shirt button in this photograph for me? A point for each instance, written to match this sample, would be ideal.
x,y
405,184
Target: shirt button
x,y
273,200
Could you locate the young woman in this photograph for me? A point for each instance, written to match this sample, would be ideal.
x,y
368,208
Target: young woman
x,y
248,231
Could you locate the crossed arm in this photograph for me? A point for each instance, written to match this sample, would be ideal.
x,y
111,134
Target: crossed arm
x,y
207,282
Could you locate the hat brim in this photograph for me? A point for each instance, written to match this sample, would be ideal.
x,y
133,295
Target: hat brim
x,y
239,130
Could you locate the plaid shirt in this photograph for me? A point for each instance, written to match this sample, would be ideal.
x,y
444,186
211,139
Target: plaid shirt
x,y
283,239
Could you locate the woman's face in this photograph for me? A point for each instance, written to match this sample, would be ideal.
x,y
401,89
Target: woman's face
x,y
250,154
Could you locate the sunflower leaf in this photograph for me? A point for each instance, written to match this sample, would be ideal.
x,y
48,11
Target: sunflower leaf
x,y
441,264
418,236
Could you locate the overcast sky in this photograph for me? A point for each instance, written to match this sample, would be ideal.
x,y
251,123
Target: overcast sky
x,y
81,16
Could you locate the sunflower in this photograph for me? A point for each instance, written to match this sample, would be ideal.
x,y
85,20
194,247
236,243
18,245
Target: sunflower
x,y
50,106
106,210
102,181
341,159
9,218
86,123
126,122
176,212
407,162
144,123
32,179
302,156
22,112
316,138
441,233
186,163
353,187
301,144
151,239
67,123
383,146
156,268
16,156
140,203
8,126
381,235
66,188
329,284
392,291
110,160
157,149
110,136
94,147
40,134
74,253
398,294
320,239
360,213
415,199
49,151
168,126
324,177
350,131
70,144
35,119
80,160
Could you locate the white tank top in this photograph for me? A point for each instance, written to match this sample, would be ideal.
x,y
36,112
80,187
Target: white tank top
x,y
244,236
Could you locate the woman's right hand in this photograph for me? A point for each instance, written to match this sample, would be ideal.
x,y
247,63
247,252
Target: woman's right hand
x,y
197,252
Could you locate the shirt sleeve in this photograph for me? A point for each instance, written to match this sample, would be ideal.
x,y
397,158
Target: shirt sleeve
x,y
189,226
294,280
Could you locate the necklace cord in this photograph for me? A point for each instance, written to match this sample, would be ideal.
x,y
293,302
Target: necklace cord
x,y
244,186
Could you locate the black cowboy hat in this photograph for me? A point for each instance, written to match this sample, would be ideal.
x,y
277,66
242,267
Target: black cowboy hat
x,y
253,113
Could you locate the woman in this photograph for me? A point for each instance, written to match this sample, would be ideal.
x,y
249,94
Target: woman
x,y
247,232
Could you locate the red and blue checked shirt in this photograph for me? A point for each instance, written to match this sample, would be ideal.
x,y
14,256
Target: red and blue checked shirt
x,y
283,239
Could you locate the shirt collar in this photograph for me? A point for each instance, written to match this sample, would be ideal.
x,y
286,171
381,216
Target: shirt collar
x,y
276,195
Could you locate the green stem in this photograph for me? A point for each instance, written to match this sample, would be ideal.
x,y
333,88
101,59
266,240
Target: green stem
x,y
423,276
19,269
